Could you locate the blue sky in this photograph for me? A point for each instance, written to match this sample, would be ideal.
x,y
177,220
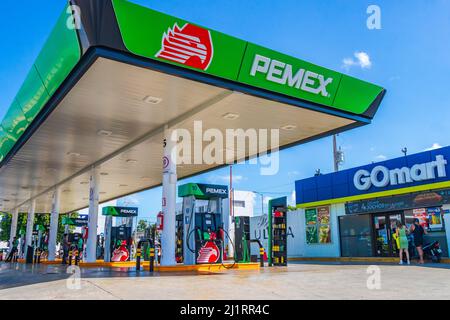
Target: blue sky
x,y
408,56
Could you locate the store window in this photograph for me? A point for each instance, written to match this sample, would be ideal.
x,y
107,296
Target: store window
x,y
239,204
430,218
356,236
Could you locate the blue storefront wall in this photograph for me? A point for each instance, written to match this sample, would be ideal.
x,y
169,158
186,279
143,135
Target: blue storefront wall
x,y
340,184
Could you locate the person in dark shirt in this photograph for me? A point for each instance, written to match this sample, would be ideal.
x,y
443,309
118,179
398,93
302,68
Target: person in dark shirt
x,y
14,244
66,247
418,232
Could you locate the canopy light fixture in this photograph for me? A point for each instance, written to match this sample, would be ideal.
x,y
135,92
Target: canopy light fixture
x,y
102,192
152,100
84,182
230,116
123,185
104,133
131,161
104,173
65,191
289,127
73,154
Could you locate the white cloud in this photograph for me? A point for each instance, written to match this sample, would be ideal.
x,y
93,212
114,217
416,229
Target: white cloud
x,y
361,59
293,173
434,146
380,157
292,201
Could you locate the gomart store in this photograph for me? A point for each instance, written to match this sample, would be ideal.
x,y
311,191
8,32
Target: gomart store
x,y
353,213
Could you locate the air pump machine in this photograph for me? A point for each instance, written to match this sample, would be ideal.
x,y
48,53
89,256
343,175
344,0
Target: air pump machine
x,y
200,225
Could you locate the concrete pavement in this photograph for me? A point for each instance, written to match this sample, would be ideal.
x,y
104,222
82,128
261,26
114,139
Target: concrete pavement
x,y
305,280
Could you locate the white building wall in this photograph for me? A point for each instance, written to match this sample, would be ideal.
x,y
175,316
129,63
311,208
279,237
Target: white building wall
x,y
248,198
297,246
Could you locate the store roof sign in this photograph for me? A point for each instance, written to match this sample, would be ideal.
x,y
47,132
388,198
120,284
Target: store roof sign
x,y
381,176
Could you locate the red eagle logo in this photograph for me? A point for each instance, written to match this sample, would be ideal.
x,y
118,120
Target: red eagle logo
x,y
209,253
189,45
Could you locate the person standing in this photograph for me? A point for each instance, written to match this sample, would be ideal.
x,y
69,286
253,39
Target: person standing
x,y
66,247
13,252
418,232
402,242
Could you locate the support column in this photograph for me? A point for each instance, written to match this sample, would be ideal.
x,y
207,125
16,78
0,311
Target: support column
x,y
169,199
91,244
53,225
30,223
14,218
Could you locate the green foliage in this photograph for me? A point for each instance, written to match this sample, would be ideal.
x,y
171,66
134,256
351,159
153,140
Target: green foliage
x,y
41,219
141,225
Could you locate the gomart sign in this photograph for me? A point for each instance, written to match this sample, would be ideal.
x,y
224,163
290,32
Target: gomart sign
x,y
381,177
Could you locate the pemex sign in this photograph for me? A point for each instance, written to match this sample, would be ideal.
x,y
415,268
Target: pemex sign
x,y
155,35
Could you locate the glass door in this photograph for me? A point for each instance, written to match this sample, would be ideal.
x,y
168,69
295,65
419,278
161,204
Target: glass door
x,y
385,226
393,219
381,236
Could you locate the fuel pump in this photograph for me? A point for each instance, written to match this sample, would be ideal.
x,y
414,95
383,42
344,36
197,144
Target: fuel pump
x,y
118,233
200,226
76,239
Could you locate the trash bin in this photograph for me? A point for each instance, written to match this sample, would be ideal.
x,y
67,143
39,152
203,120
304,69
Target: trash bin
x,y
30,253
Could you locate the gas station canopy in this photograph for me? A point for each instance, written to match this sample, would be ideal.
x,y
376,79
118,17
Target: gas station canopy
x,y
101,92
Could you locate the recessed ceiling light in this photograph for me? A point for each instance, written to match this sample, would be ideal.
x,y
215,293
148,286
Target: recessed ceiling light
x,y
24,188
131,161
102,192
84,182
230,116
73,154
67,190
6,200
104,133
123,185
152,100
289,127
104,173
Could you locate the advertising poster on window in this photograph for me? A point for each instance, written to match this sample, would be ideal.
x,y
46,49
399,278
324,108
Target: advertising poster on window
x,y
421,214
311,235
311,217
435,218
323,216
317,222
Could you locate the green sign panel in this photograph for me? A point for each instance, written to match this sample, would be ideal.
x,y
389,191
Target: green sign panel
x,y
120,212
274,71
203,191
155,35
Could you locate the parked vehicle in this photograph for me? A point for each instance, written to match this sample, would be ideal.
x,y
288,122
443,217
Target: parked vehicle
x,y
432,251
